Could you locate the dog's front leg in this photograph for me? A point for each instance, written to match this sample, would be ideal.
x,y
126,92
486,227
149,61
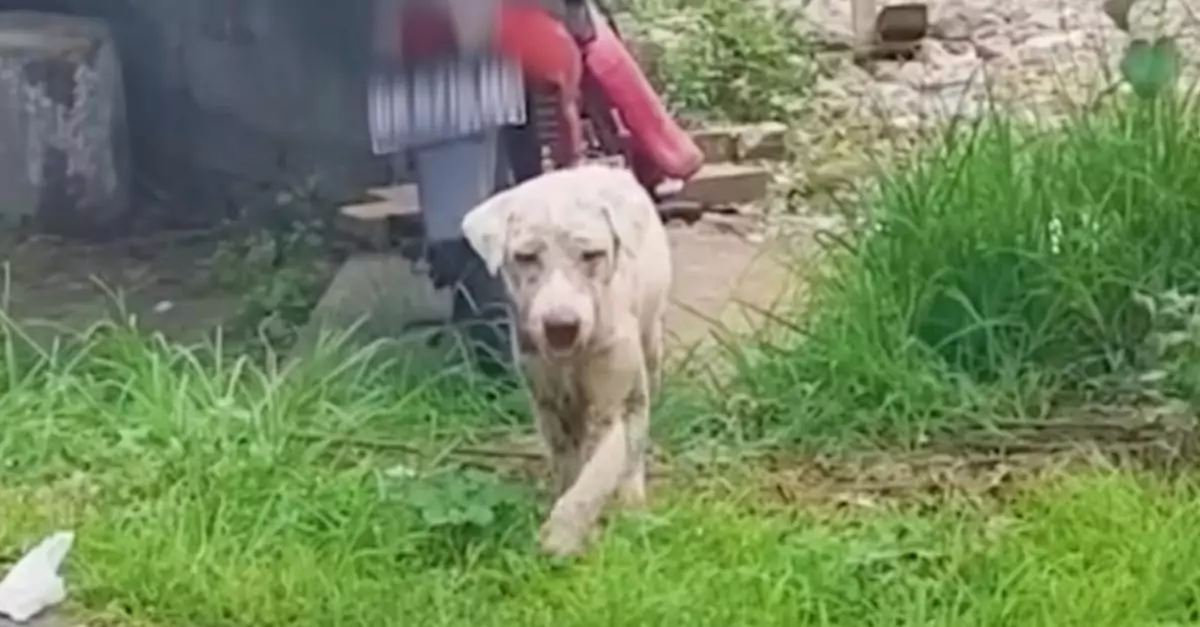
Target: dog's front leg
x,y
562,448
632,491
652,348
574,515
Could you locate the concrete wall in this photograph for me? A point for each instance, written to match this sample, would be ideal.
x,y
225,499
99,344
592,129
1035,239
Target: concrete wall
x,y
227,98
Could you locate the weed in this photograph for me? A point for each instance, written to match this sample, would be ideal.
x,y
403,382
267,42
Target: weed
x,y
460,508
715,59
279,256
1171,353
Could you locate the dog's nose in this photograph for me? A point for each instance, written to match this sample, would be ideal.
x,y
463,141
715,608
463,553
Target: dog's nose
x,y
561,328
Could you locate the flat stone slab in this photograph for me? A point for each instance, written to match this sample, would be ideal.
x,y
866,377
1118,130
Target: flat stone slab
x,y
726,185
735,143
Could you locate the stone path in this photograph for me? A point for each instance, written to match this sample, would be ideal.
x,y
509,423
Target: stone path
x,y
726,275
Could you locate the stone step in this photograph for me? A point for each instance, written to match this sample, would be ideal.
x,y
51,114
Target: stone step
x,y
387,209
717,187
385,202
737,143
720,186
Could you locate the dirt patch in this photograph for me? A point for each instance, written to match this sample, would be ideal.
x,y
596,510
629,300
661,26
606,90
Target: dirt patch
x,y
989,463
732,275
726,276
981,464
160,280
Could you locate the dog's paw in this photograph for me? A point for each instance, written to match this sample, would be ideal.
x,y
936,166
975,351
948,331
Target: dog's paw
x,y
632,497
561,539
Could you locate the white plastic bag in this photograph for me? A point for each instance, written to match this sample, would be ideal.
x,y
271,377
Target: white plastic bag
x,y
34,584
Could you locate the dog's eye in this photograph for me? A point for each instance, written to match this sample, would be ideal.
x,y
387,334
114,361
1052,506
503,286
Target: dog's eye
x,y
590,256
525,259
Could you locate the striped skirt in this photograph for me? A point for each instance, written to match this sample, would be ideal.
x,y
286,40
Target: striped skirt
x,y
409,107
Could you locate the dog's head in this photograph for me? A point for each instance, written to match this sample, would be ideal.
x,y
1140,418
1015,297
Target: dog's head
x,y
563,243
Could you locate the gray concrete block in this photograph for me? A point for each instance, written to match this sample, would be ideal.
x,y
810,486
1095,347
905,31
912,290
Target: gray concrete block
x,y
394,292
225,96
383,296
64,147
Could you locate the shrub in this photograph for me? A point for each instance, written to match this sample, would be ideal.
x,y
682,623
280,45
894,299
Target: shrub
x,y
739,61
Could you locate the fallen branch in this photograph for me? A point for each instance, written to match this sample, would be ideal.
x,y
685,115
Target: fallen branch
x,y
384,444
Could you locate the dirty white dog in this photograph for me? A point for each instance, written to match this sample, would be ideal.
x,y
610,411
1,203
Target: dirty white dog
x,y
586,262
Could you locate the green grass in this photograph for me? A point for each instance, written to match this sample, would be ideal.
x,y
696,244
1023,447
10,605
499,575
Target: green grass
x,y
1001,268
195,504
208,488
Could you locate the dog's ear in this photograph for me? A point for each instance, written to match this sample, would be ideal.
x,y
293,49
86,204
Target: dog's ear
x,y
625,219
486,229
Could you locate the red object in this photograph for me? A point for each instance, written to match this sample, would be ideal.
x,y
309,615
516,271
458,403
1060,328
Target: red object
x,y
553,60
425,30
550,58
653,131
546,50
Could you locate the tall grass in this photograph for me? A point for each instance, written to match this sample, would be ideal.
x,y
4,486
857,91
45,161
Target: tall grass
x,y
194,504
1001,266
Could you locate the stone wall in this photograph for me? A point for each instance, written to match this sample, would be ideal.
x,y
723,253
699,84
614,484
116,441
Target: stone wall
x,y
228,98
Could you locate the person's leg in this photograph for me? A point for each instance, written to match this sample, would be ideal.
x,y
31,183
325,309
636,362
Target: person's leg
x,y
452,178
522,147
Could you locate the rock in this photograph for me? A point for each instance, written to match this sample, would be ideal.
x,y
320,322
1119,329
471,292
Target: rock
x,y
958,46
1047,19
954,73
932,52
719,144
989,48
64,162
955,20
766,141
382,296
905,123
830,37
892,99
1046,48
914,74
835,173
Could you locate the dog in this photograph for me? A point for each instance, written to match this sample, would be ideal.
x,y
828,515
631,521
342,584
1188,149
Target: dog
x,y
586,263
